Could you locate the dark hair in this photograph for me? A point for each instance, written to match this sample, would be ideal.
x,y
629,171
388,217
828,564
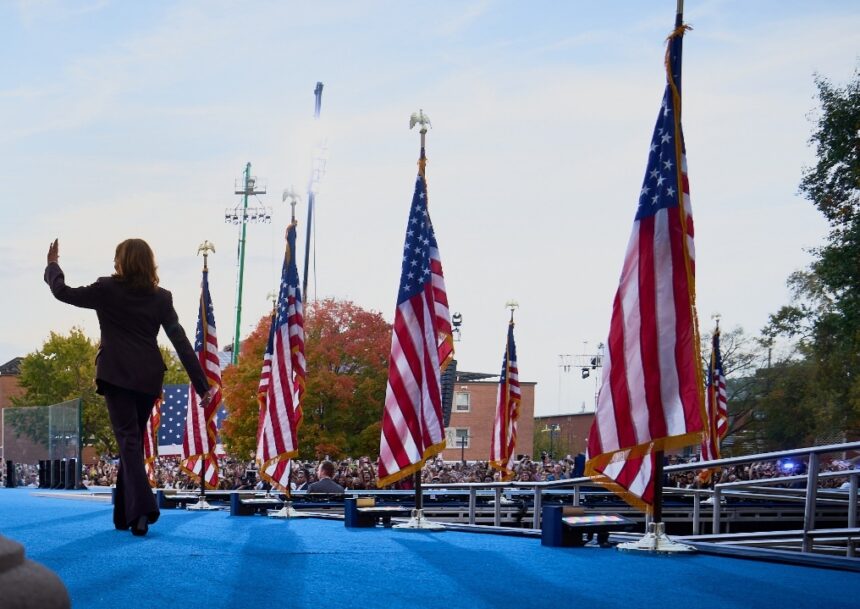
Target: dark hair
x,y
327,467
135,265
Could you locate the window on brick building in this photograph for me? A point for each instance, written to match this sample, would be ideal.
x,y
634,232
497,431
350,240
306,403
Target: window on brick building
x,y
461,435
462,401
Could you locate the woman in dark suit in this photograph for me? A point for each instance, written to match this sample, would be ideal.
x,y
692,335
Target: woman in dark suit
x,y
131,309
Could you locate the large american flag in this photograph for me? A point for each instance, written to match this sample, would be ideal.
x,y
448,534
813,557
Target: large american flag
x,y
198,444
651,398
421,347
282,379
504,440
716,403
150,441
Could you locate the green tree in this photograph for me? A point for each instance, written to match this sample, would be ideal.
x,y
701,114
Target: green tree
x,y
742,357
175,373
824,315
550,442
64,369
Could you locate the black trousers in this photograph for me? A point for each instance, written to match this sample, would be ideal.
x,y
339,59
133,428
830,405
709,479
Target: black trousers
x,y
129,411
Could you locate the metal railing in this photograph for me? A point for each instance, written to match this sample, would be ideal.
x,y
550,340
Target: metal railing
x,y
758,489
735,489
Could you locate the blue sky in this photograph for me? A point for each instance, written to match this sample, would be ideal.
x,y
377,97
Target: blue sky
x,y
122,119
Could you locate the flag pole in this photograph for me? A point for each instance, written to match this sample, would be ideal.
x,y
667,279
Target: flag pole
x,y
417,520
202,504
655,539
657,514
287,510
422,164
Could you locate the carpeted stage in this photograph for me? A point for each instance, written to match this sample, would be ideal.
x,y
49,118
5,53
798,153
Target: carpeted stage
x,y
211,560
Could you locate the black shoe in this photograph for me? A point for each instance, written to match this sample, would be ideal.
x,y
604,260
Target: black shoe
x,y
140,527
121,527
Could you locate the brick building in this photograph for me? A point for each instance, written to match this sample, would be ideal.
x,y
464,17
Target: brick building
x,y
566,434
9,386
563,434
473,412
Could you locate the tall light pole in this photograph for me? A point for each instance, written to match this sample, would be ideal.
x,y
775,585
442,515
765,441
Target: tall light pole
x,y
463,440
591,364
242,216
552,429
317,171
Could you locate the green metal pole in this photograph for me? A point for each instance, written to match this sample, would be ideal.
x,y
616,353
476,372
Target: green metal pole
x,y
235,355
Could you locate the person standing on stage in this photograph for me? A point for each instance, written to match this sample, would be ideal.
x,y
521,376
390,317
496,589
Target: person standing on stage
x,y
131,309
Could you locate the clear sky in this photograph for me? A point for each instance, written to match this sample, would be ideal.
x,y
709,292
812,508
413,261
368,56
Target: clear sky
x,y
134,119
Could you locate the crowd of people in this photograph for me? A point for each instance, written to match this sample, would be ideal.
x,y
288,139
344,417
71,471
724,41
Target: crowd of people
x,y
759,470
360,473
351,474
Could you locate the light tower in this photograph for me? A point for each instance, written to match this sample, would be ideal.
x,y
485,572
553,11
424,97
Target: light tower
x,y
241,215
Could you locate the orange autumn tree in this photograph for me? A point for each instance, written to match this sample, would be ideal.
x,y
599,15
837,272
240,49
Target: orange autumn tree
x,y
346,350
239,383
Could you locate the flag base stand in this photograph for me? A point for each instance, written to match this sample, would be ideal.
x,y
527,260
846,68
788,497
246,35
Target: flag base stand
x,y
201,504
655,540
288,511
417,522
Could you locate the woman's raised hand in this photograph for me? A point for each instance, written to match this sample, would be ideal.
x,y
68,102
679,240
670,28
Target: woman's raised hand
x,y
54,251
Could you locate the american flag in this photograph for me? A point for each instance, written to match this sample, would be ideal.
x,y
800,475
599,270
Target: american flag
x,y
198,444
716,404
651,398
282,379
504,440
150,442
174,408
421,347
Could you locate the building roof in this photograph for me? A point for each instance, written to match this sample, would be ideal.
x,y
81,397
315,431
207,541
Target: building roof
x,y
562,415
483,377
467,377
13,366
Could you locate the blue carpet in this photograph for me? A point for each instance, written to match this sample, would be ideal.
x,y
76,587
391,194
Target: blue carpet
x,y
210,560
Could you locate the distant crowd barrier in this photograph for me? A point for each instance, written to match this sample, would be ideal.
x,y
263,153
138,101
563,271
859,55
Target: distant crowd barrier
x,y
42,445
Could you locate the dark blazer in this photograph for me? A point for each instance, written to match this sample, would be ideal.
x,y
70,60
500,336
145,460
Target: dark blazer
x,y
325,485
128,355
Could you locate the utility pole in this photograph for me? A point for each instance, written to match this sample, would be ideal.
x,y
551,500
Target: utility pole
x,y
242,216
